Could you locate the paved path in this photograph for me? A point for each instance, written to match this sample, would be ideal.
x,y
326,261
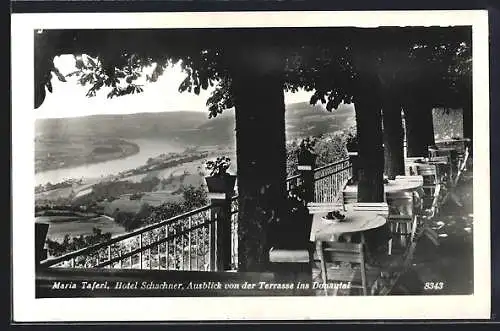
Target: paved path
x,y
451,262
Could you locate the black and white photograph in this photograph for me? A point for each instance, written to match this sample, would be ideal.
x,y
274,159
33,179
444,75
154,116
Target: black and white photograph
x,y
252,158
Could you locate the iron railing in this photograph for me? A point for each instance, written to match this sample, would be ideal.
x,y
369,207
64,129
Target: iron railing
x,y
330,179
184,242
187,242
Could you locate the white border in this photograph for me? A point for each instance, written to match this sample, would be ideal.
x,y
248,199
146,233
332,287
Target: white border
x,y
29,309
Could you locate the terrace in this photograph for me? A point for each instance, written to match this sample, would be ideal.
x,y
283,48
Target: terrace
x,y
354,224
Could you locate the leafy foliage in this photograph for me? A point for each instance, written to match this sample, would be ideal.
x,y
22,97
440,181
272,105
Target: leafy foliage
x,y
113,189
194,197
219,166
328,148
69,244
328,63
308,144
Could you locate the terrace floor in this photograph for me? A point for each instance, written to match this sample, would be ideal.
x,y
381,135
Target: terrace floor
x,y
452,261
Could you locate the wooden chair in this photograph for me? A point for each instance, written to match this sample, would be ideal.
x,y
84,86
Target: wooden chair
x,y
343,263
444,167
428,215
429,174
402,218
410,165
463,164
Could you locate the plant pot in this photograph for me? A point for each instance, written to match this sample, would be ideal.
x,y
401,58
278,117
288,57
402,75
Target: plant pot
x,y
220,184
352,146
306,158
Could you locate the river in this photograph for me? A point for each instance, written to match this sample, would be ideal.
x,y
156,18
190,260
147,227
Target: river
x,y
147,148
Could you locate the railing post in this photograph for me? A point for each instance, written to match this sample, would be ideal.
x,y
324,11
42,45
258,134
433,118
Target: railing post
x,y
220,214
306,166
41,230
353,158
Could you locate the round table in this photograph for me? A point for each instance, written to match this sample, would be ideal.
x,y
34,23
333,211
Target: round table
x,y
355,221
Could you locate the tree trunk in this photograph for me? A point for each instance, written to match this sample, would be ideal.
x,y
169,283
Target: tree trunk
x,y
370,143
261,151
371,158
419,129
393,139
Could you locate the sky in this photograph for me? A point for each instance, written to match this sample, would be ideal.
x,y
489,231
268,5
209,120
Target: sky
x,y
69,100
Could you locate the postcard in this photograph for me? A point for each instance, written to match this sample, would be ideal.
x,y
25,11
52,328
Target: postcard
x,y
250,166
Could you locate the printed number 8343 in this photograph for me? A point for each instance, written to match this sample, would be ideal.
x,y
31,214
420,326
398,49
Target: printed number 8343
x,y
433,286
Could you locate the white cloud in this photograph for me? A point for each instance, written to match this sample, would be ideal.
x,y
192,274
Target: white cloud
x,y
69,100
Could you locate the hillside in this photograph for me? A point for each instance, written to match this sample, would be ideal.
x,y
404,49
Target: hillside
x,y
302,119
190,127
126,126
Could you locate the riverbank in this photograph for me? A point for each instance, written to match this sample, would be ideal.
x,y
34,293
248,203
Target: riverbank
x,y
54,154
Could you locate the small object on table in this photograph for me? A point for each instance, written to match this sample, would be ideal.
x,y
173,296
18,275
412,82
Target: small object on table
x,y
334,217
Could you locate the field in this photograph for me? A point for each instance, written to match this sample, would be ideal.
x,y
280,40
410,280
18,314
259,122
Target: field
x,y
55,152
57,230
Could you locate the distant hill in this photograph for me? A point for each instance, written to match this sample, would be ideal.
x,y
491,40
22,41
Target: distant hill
x,y
303,119
190,127
126,126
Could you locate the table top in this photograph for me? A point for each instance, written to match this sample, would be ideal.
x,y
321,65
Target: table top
x,y
355,221
417,164
443,149
452,140
391,186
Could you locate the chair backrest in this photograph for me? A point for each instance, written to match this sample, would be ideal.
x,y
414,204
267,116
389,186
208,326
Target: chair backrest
x,y
343,252
416,178
411,164
413,159
349,197
428,172
380,207
324,207
400,204
445,158
410,169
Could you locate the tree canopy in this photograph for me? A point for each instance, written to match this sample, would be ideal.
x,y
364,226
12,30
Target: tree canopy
x,y
430,61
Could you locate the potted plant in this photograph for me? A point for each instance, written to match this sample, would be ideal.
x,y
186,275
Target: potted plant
x,y
306,154
219,181
351,140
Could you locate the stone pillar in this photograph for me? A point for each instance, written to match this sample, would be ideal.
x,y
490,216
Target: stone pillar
x,y
306,166
220,231
353,158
